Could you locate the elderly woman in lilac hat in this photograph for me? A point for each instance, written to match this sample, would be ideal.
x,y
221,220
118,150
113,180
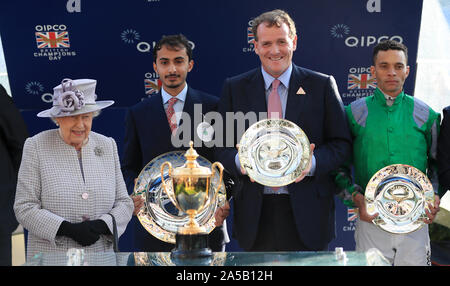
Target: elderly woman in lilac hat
x,y
70,189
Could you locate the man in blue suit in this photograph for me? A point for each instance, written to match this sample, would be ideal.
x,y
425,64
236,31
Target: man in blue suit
x,y
300,216
152,124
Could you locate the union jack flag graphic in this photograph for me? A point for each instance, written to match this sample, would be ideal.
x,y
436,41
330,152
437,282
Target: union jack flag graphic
x,y
361,81
250,36
352,214
152,86
52,39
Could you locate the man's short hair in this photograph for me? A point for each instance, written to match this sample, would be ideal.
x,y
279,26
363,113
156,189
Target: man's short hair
x,y
173,42
389,45
275,17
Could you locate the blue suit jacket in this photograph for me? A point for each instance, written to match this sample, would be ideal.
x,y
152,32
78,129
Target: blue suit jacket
x,y
320,113
147,136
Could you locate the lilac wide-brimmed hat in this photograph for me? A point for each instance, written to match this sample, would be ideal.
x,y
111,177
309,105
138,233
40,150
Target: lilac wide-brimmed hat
x,y
74,97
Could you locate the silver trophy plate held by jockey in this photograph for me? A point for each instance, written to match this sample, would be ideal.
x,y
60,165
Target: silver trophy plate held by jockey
x,y
158,215
274,152
400,194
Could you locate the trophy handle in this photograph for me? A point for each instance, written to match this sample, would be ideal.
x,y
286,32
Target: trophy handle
x,y
213,167
171,195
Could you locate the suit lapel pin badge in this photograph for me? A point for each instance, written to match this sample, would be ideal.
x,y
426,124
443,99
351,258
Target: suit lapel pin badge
x,y
205,131
300,91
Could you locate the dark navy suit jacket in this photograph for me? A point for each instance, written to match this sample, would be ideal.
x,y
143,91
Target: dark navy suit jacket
x,y
13,133
320,114
147,136
443,152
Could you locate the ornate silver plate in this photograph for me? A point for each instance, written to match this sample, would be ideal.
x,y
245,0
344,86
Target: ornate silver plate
x,y
274,152
399,194
158,215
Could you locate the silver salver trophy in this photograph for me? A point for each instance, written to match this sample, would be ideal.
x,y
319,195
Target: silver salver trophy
x,y
400,194
274,152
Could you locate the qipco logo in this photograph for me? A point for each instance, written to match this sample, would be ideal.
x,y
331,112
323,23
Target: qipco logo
x,y
47,28
146,47
47,97
367,41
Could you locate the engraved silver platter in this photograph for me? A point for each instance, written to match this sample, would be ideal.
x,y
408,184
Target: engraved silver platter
x,y
274,152
399,194
158,215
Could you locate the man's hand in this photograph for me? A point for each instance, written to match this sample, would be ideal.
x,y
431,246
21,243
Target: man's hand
x,y
308,169
243,172
137,201
138,204
358,199
222,213
433,210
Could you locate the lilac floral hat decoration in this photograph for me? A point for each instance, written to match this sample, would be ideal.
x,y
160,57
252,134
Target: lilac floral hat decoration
x,y
74,97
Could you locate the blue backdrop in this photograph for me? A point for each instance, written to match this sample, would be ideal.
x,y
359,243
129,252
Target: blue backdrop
x,y
112,41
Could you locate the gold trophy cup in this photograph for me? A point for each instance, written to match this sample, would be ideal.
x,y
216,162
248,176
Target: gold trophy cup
x,y
189,190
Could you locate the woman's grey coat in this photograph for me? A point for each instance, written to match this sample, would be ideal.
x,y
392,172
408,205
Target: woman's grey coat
x,y
51,189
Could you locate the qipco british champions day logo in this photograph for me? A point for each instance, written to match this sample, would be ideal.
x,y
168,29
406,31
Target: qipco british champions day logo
x,y
52,42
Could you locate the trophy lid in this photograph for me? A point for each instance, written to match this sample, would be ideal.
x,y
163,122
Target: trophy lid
x,y
191,168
